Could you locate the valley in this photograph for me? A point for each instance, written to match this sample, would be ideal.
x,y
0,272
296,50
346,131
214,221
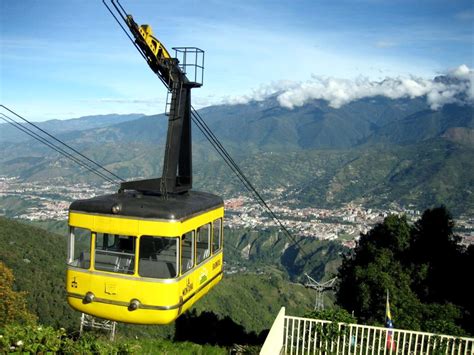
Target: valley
x,y
40,201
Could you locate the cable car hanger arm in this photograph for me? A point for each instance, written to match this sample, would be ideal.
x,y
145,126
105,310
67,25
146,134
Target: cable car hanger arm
x,y
150,48
177,165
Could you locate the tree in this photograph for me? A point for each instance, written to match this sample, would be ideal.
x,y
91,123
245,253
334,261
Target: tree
x,y
373,268
13,307
335,314
440,264
435,255
413,263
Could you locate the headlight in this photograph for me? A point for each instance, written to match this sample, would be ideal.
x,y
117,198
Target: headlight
x,y
88,298
134,305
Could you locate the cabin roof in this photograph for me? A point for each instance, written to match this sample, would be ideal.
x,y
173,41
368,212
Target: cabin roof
x,y
138,205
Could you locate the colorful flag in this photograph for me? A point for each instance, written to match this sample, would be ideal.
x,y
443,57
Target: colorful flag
x,y
389,324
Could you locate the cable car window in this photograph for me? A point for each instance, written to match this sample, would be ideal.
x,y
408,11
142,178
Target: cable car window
x,y
203,242
158,257
216,235
187,253
79,248
115,253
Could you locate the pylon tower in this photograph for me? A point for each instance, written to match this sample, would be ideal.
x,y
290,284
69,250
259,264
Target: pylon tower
x,y
320,287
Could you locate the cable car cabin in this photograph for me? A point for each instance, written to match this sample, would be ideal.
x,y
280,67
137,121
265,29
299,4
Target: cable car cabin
x,y
142,259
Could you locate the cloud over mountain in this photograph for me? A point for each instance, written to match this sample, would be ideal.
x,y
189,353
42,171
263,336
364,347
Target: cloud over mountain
x,y
455,86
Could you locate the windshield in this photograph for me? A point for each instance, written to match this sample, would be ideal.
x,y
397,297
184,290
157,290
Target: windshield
x,y
115,253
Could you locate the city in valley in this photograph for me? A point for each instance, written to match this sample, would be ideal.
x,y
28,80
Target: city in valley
x,y
38,201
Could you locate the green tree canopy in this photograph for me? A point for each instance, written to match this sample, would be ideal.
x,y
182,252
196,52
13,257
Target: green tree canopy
x,y
413,263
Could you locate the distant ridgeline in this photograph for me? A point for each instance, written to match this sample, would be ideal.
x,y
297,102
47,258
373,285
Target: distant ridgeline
x,y
374,151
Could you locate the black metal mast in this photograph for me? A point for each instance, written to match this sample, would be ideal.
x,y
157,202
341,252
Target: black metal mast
x,y
177,164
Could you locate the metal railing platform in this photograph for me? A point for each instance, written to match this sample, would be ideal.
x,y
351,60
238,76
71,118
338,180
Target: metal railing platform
x,y
296,335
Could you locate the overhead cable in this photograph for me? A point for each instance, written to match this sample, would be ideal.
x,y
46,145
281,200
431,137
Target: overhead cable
x,y
67,146
210,136
51,145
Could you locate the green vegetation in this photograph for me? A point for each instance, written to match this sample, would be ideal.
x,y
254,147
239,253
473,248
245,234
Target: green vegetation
x,y
335,314
261,251
43,339
52,226
410,261
253,300
12,206
37,259
249,299
422,266
12,304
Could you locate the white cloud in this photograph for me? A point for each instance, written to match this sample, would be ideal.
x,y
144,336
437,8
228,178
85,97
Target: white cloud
x,y
261,93
458,87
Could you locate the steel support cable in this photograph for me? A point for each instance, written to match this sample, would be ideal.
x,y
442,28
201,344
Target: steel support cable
x,y
54,147
124,30
227,161
64,144
247,182
130,38
218,146
224,157
211,140
231,160
235,168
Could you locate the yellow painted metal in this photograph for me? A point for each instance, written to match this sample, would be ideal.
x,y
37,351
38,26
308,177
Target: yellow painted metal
x,y
161,300
153,43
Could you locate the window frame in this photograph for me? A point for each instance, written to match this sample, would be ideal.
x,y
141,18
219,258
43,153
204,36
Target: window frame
x,y
72,247
221,231
118,254
193,251
209,231
177,259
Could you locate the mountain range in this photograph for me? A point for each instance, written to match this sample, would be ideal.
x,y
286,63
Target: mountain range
x,y
8,133
377,151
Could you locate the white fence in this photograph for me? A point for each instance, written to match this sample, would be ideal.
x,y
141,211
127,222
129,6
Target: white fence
x,y
313,336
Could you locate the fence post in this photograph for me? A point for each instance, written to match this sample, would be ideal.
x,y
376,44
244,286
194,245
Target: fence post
x,y
274,342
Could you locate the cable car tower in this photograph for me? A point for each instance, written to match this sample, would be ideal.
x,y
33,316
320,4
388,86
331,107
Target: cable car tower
x,y
320,287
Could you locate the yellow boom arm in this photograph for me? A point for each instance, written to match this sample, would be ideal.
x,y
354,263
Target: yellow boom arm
x,y
155,46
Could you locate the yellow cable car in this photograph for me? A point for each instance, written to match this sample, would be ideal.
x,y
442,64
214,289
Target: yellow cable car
x,y
143,259
145,254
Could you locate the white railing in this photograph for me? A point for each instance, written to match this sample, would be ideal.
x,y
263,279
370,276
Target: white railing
x,y
313,336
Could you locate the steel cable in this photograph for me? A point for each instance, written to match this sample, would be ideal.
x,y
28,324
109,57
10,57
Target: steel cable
x,y
53,146
217,145
64,144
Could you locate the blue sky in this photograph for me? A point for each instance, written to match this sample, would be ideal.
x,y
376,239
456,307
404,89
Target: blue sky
x,y
65,59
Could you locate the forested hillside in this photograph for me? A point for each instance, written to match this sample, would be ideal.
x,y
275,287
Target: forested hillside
x,y
251,297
